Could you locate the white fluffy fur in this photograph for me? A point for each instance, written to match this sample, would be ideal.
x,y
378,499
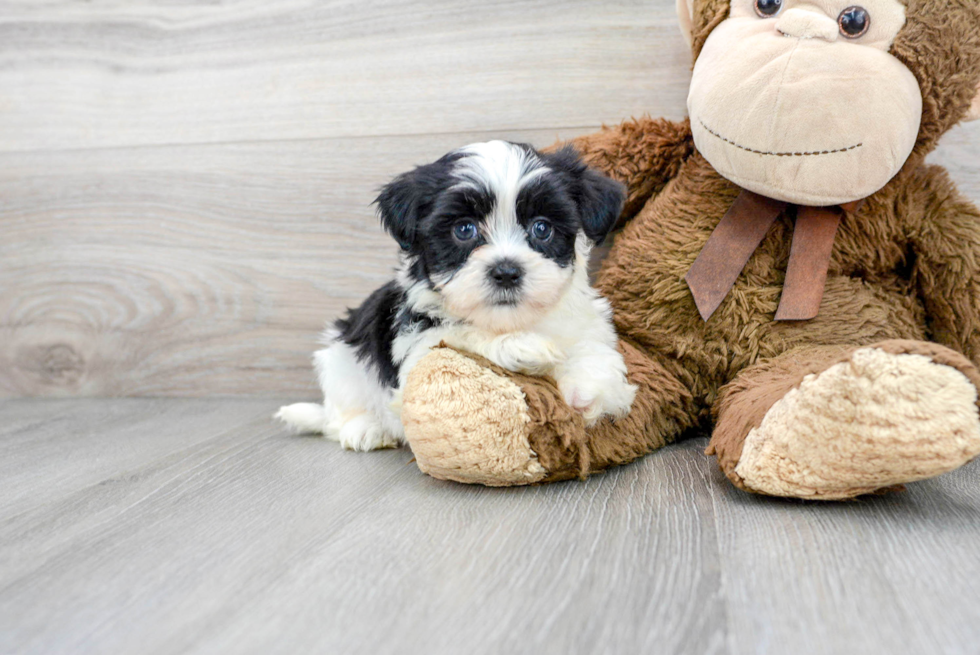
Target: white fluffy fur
x,y
558,326
356,409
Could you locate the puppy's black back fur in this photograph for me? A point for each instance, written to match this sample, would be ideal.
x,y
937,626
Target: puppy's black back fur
x,y
371,328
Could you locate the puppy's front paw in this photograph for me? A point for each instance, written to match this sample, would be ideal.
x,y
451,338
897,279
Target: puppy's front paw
x,y
525,353
595,396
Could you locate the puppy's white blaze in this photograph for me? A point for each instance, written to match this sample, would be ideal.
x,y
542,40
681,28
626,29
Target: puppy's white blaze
x,y
498,166
505,237
503,169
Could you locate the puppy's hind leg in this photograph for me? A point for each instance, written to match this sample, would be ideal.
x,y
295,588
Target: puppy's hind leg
x,y
318,418
355,404
304,418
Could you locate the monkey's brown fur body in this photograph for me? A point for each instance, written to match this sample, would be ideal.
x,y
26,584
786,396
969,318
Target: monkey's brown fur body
x,y
813,399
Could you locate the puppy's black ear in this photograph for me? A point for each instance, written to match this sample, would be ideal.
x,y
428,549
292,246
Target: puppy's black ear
x,y
600,205
599,199
399,205
410,197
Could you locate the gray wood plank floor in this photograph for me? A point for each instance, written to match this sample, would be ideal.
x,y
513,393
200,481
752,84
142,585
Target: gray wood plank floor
x,y
198,526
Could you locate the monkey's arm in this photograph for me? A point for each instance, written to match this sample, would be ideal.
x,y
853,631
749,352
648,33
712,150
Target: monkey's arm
x,y
644,154
945,234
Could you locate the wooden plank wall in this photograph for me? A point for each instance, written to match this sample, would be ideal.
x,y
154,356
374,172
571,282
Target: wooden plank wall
x,y
185,187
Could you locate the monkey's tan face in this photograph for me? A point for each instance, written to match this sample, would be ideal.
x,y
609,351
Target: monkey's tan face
x,y
802,102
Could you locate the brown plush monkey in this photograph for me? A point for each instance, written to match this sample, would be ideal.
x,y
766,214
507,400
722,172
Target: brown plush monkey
x,y
792,275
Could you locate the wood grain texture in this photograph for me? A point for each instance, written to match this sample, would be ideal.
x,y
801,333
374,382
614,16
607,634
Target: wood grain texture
x,y
45,440
891,574
245,539
185,187
153,72
192,526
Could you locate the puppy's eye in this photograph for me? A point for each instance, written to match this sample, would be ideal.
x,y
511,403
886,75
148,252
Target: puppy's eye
x,y
542,230
768,8
854,22
464,231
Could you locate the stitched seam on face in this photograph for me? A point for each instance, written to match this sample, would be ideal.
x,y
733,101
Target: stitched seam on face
x,y
778,154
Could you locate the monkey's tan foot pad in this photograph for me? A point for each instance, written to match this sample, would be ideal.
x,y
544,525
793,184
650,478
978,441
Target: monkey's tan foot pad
x,y
877,420
469,421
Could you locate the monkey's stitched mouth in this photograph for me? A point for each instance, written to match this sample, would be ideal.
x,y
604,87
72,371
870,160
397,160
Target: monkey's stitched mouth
x,y
778,154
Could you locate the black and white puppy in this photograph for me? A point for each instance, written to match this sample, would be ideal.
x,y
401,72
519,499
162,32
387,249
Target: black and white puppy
x,y
495,244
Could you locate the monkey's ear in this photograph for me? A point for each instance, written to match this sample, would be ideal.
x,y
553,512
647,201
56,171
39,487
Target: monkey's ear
x,y
973,113
685,14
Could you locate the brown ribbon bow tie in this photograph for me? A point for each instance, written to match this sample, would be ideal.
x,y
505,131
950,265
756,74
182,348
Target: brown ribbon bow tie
x,y
738,235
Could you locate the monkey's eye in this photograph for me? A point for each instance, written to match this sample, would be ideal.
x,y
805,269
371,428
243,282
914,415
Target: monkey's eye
x,y
854,22
542,230
465,231
768,8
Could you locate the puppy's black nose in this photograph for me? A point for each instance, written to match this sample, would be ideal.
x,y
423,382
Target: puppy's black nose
x,y
506,274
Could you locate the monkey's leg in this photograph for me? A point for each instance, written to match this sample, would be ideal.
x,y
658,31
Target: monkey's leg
x,y
837,422
470,421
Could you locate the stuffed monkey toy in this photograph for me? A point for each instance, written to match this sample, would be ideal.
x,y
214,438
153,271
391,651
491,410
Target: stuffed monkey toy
x,y
792,276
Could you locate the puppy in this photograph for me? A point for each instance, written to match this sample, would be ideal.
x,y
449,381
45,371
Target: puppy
x,y
495,242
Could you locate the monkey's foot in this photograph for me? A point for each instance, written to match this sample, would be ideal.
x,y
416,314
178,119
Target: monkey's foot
x,y
879,418
469,421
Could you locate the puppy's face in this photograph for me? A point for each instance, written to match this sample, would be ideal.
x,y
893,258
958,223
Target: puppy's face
x,y
498,230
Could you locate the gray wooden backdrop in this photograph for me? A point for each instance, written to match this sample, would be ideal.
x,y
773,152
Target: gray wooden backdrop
x,y
185,187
